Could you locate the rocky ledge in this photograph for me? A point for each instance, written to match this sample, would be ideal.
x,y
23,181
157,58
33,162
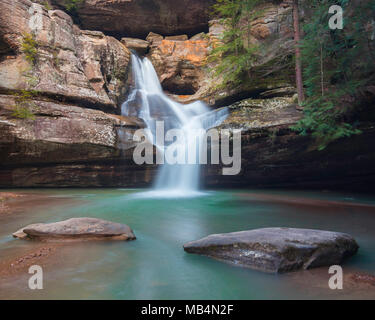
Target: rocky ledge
x,y
137,17
277,250
76,229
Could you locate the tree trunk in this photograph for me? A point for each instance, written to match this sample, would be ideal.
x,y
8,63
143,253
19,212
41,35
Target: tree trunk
x,y
321,69
301,96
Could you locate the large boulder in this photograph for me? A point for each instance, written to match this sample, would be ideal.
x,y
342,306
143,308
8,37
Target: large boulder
x,y
76,229
277,250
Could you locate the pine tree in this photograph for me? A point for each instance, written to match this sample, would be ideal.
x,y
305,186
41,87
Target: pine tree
x,y
235,54
299,82
335,69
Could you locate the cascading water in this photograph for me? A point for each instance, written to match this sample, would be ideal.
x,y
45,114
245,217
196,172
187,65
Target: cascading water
x,y
148,102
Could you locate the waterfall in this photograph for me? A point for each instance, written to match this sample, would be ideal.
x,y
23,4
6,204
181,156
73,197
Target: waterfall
x,y
148,102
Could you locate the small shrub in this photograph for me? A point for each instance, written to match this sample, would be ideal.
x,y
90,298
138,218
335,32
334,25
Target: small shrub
x,y
25,95
56,60
47,5
23,104
30,47
22,112
72,5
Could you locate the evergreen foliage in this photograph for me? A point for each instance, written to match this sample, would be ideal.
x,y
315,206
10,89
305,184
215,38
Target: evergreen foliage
x,y
72,6
47,5
22,109
235,53
335,68
23,113
29,47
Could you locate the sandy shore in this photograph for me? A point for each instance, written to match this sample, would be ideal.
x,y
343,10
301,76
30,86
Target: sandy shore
x,y
12,205
21,261
308,202
5,203
19,202
356,284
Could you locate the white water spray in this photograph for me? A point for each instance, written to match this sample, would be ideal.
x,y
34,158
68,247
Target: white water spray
x,y
148,102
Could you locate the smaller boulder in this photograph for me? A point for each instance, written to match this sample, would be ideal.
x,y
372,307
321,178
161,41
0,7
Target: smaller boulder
x,y
81,229
154,39
138,45
277,250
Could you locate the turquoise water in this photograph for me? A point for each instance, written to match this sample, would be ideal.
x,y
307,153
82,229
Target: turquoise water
x,y
155,265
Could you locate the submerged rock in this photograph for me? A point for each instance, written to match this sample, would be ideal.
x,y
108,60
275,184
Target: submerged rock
x,y
277,250
76,229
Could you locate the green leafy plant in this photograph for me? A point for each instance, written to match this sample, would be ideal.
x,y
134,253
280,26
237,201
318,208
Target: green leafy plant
x,y
47,5
22,109
56,60
23,113
72,5
29,47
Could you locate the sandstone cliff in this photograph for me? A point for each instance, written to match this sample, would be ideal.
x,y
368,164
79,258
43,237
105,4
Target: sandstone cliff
x,y
62,86
55,82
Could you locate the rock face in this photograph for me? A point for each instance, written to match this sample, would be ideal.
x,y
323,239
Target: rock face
x,y
185,72
59,132
257,114
272,32
79,229
277,250
179,63
65,145
274,155
136,18
54,79
61,62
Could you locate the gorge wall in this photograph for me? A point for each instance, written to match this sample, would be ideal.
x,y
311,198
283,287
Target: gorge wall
x,y
136,18
73,78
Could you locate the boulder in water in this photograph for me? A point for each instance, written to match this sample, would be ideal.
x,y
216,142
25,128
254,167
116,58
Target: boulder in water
x,y
81,229
277,250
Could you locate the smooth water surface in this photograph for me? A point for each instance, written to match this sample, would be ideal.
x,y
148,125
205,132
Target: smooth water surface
x,y
155,266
